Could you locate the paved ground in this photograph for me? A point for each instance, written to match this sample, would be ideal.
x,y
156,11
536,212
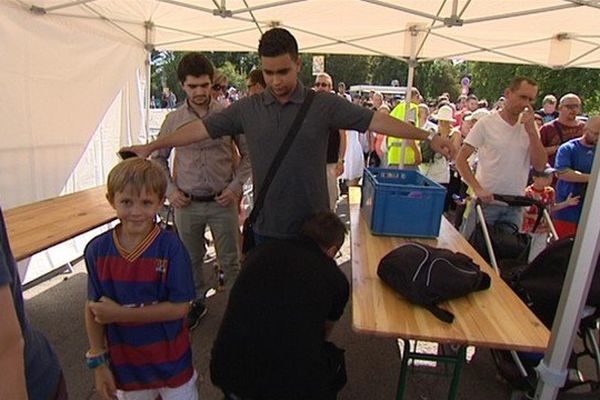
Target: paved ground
x,y
56,307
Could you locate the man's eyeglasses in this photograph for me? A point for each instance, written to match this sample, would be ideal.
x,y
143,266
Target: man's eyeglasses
x,y
218,87
572,106
321,84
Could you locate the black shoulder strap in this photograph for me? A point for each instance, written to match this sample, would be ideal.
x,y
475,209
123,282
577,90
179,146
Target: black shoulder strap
x,y
440,313
285,146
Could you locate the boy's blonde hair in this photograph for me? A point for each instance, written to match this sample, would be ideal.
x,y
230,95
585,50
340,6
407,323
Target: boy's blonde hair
x,y
136,174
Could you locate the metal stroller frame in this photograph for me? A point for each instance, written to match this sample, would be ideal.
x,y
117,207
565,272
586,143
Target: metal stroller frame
x,y
588,325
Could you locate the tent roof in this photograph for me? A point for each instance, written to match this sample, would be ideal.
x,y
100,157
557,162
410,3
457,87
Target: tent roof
x,y
556,33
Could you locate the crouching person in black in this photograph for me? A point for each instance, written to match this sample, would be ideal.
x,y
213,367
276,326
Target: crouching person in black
x,y
272,343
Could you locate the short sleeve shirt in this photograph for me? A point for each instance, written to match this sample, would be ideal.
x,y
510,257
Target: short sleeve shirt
x,y
503,151
547,196
550,135
299,188
578,157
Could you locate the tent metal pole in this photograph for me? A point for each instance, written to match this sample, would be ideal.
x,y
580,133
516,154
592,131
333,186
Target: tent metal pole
x,y
553,368
149,26
412,63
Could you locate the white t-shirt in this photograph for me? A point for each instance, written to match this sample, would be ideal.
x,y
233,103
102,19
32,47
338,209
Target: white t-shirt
x,y
503,152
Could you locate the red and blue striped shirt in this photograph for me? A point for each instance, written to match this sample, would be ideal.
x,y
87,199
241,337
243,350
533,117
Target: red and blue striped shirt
x,y
148,355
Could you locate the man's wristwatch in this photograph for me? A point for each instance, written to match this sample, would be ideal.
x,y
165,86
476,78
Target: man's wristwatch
x,y
94,361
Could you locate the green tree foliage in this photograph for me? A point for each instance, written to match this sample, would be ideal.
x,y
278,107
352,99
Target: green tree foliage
x,y
436,77
235,75
342,68
383,70
490,79
164,73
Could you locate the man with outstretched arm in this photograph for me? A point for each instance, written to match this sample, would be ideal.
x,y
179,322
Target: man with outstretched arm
x,y
300,185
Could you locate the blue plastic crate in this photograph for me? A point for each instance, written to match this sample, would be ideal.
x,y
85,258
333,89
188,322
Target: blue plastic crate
x,y
399,202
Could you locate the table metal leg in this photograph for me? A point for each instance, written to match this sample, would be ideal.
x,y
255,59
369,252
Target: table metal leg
x,y
459,363
403,370
458,360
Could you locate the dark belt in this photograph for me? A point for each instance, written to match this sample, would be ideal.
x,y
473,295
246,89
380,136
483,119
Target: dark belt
x,y
201,199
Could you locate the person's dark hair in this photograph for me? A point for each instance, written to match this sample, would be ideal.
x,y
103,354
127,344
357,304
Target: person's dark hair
x,y
276,42
483,103
194,64
325,228
515,83
256,76
472,97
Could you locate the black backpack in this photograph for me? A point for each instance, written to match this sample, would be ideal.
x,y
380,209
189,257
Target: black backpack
x,y
427,276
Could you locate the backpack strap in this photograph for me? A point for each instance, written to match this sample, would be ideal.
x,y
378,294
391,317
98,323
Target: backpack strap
x,y
441,314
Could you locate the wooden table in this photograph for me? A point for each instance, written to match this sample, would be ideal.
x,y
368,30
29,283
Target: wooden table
x,y
494,318
38,226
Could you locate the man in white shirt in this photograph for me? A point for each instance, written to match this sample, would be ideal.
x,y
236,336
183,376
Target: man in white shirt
x,y
508,143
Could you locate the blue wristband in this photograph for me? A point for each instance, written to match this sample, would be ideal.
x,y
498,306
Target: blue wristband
x,y
96,361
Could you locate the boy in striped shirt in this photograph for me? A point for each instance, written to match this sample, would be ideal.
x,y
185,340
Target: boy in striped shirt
x,y
140,286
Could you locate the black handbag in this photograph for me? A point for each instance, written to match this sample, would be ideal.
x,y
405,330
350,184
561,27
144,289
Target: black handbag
x,y
507,242
248,240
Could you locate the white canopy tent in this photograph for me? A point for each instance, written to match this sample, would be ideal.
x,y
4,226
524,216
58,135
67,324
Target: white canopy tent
x,y
66,64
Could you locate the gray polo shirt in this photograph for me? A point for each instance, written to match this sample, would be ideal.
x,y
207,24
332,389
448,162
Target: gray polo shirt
x,y
299,188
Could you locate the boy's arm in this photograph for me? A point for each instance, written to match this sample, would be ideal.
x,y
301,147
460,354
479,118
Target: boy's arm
x,y
12,346
570,201
95,331
105,381
107,311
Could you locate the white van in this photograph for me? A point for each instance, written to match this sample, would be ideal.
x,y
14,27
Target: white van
x,y
387,91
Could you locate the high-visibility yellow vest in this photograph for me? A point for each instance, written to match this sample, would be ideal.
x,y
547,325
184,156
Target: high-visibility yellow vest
x,y
394,144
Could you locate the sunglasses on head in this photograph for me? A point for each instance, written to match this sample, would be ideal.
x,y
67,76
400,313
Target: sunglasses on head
x,y
218,87
321,84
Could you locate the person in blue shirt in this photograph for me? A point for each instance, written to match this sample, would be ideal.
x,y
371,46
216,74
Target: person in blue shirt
x,y
30,368
574,163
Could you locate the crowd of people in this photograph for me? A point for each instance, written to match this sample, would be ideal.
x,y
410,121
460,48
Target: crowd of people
x,y
146,288
510,149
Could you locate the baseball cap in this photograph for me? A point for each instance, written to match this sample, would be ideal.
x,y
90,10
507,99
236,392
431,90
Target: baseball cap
x,y
477,114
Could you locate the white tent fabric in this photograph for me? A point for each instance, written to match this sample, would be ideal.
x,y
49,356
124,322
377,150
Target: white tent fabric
x,y
58,78
65,61
545,32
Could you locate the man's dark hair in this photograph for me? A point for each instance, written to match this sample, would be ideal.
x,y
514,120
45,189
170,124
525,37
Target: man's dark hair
x,y
325,228
194,64
472,97
277,42
256,76
515,83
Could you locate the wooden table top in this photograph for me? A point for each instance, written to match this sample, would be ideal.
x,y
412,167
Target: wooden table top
x,y
494,318
37,226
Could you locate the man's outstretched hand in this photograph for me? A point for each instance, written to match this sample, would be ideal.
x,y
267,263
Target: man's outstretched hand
x,y
141,150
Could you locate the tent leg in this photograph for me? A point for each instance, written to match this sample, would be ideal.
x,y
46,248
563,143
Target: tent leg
x,y
575,290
